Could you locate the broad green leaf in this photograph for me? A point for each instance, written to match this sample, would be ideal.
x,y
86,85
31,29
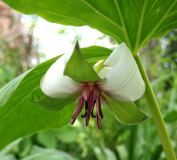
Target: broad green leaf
x,y
48,154
79,69
125,112
21,117
8,90
132,21
52,104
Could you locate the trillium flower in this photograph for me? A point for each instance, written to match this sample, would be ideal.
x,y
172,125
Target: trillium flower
x,y
116,86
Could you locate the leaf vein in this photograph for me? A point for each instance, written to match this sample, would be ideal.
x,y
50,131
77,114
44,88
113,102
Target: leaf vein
x,y
105,17
123,23
134,10
150,9
16,105
166,26
158,24
140,27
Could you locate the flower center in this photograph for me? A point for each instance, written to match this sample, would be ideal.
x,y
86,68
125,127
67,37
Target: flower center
x,y
90,95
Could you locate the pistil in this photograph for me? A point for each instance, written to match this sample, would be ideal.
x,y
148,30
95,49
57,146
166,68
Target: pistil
x,y
90,95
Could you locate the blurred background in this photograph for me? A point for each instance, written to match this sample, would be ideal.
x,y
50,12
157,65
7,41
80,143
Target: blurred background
x,y
26,41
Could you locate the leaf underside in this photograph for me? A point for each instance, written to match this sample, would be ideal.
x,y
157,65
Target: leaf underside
x,y
132,21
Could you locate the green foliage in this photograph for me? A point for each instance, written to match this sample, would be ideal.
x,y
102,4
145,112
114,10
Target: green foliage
x,y
25,146
20,114
45,154
133,21
171,116
125,112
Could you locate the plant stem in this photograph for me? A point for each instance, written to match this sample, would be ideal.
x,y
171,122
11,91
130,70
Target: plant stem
x,y
133,137
156,114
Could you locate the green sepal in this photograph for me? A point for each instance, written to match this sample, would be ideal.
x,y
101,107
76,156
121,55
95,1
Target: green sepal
x,y
125,112
52,104
79,69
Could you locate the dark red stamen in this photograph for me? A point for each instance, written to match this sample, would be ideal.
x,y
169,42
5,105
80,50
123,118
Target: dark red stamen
x,y
77,110
86,113
94,116
98,108
72,121
99,122
87,119
90,95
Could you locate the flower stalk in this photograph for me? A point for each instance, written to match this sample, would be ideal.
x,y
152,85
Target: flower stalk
x,y
156,114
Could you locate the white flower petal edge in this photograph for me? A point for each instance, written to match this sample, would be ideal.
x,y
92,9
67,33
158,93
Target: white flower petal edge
x,y
124,82
66,57
112,60
54,84
114,57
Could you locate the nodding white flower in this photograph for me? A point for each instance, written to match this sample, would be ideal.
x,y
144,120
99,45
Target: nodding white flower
x,y
119,79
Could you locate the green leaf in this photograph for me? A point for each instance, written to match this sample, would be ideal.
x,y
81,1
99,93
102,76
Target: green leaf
x,y
171,116
25,146
47,139
8,148
99,154
21,117
122,151
48,154
67,134
125,112
110,155
52,104
9,157
132,21
79,69
96,52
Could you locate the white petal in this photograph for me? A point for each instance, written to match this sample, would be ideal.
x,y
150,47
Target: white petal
x,y
124,82
55,84
67,56
114,57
